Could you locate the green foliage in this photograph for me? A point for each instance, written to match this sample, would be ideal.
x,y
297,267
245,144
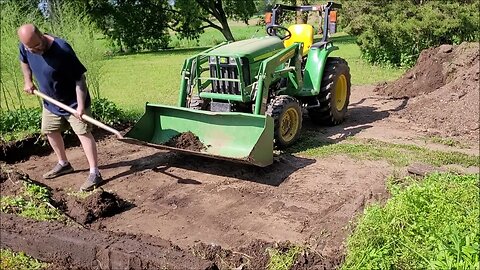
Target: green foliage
x,y
34,202
12,260
396,154
138,25
283,260
395,32
107,112
190,18
18,121
430,224
12,15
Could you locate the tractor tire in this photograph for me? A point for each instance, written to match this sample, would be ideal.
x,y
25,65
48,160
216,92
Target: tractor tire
x,y
334,93
287,116
197,103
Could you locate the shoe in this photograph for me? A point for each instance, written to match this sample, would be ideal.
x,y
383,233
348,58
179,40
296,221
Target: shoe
x,y
93,180
58,170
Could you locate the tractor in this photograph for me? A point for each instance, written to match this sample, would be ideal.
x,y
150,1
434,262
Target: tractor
x,y
242,99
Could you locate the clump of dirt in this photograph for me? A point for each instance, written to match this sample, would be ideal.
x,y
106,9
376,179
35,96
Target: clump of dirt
x,y
99,204
256,255
186,140
443,91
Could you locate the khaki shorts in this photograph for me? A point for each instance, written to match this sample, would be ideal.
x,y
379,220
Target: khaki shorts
x,y
53,123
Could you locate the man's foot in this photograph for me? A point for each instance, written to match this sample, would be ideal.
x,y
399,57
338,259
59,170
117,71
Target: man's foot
x,y
93,180
58,170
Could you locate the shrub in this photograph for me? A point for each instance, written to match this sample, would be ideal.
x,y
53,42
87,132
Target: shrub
x,y
395,32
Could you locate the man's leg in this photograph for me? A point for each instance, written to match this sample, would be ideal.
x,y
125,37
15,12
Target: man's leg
x,y
56,142
83,131
90,148
52,125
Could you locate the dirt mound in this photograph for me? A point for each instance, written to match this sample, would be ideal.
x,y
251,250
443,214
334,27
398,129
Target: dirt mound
x,y
444,91
187,141
256,255
99,204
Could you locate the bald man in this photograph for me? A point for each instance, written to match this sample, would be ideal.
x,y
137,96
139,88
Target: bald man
x,y
60,75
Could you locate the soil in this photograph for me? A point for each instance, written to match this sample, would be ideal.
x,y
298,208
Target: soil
x,y
443,91
97,205
187,141
219,214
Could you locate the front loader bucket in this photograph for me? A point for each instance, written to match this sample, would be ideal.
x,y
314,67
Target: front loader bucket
x,y
240,137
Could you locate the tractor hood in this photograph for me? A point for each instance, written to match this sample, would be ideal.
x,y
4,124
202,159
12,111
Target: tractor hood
x,y
255,49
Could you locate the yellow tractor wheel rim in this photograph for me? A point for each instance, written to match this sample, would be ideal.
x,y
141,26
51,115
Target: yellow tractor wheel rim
x,y
341,92
289,124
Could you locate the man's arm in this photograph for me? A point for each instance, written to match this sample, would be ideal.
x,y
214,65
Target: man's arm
x,y
27,78
81,89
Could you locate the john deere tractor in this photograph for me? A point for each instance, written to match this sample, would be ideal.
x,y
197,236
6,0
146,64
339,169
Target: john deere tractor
x,y
242,98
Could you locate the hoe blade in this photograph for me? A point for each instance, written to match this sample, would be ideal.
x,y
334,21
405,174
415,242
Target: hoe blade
x,y
240,137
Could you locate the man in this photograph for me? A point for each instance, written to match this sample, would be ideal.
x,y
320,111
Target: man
x,y
60,75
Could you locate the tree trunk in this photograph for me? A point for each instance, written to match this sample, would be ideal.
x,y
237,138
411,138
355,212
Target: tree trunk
x,y
227,33
222,18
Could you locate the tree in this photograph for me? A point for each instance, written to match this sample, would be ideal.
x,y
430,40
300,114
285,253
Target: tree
x,y
191,18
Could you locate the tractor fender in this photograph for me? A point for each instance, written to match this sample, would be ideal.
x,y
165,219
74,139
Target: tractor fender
x,y
313,73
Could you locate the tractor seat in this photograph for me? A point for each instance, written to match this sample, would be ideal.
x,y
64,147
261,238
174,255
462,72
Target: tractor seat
x,y
300,33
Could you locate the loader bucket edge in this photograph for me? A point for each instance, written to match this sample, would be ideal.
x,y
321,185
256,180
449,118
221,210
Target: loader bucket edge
x,y
240,137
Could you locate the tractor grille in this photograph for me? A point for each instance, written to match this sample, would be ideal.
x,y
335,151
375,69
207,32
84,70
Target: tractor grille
x,y
227,71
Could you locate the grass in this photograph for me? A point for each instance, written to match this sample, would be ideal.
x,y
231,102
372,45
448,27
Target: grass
x,y
395,154
430,224
283,260
446,141
33,202
13,260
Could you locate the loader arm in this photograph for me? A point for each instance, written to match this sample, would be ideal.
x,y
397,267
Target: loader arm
x,y
269,71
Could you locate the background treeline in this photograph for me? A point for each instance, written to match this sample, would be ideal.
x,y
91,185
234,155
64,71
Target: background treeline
x,y
394,32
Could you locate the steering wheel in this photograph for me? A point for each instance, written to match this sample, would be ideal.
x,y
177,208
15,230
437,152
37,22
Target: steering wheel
x,y
272,30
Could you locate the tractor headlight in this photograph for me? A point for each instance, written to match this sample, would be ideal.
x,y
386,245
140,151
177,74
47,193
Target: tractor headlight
x,y
232,60
212,60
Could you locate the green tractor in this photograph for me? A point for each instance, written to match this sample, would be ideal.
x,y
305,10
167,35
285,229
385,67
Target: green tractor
x,y
242,98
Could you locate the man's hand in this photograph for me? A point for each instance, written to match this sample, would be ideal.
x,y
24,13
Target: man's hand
x,y
29,87
79,113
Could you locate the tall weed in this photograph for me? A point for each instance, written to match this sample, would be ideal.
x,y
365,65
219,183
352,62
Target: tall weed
x,y
11,80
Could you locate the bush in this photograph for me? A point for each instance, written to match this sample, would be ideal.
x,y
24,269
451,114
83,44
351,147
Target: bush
x,y
20,120
107,112
16,124
395,32
432,224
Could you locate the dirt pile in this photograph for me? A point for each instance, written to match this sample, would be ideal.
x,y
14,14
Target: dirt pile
x,y
99,204
443,91
187,141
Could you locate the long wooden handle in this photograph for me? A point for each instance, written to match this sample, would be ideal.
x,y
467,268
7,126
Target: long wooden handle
x,y
73,111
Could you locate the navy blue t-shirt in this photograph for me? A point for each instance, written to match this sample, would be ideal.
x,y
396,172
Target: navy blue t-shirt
x,y
56,71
